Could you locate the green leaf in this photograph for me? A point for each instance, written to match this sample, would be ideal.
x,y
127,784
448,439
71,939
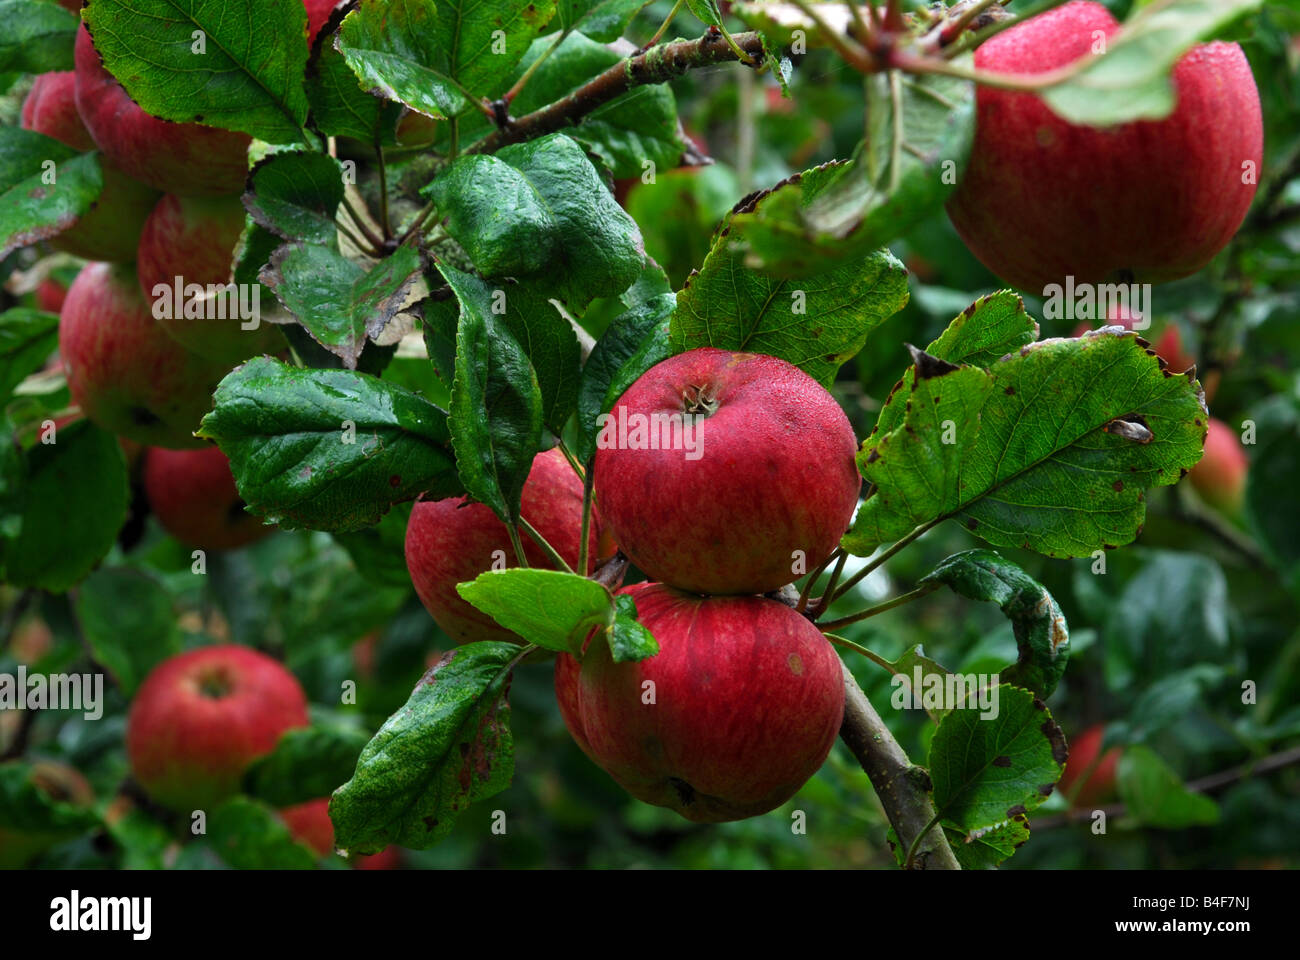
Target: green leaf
x,y
816,323
706,11
628,639
1156,796
1270,484
37,202
144,841
27,339
1050,449
990,328
306,763
127,618
449,746
639,336
496,412
1042,638
286,431
338,301
540,211
38,36
296,196
429,55
551,608
249,836
628,133
986,848
602,20
1172,613
926,694
248,75
74,499
917,144
989,771
341,108
1131,80
545,336
27,808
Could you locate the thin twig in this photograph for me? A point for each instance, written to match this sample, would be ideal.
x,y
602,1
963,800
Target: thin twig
x,y
659,64
1208,784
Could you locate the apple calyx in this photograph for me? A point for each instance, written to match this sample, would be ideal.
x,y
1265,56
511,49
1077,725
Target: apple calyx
x,y
700,400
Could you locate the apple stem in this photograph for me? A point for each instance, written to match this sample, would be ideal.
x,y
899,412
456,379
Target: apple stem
x,y
838,554
903,787
663,27
875,564
879,608
588,491
383,197
513,530
509,95
854,55
910,861
362,225
549,550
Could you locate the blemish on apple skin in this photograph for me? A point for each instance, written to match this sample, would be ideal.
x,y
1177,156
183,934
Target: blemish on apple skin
x,y
795,663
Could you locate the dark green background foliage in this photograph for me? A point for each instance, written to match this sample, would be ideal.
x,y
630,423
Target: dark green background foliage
x,y
1160,643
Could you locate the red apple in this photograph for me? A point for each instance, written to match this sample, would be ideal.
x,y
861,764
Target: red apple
x,y
451,541
110,230
201,717
192,240
1043,199
748,697
50,295
311,826
773,478
318,12
126,373
62,784
416,129
1220,475
1092,778
193,495
51,109
184,158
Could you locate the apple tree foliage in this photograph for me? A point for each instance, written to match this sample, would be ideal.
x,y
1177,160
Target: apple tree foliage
x,y
492,298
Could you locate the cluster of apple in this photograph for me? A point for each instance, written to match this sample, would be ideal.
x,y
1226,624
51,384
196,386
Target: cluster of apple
x,y
744,699
169,208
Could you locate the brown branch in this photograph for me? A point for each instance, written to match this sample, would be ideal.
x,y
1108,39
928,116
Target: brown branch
x,y
903,787
1207,784
657,65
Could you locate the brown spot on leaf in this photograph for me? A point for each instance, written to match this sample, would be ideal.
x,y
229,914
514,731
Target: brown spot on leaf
x,y
1017,810
1003,761
1117,486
